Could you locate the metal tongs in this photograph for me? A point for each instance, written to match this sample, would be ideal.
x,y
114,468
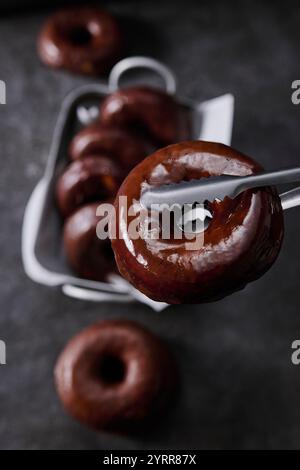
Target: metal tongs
x,y
218,187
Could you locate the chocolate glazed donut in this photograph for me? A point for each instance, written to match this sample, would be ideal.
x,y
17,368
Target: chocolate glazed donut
x,y
87,180
124,148
83,40
115,376
88,256
240,244
151,110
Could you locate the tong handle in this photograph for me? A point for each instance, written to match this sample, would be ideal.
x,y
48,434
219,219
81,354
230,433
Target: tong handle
x,y
288,175
290,199
209,189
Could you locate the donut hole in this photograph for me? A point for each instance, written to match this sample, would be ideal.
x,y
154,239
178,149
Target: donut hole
x,y
112,369
141,131
107,251
80,36
176,222
101,249
197,219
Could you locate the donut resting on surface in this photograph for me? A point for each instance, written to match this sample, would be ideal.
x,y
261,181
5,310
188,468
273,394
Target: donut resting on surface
x,y
115,376
83,40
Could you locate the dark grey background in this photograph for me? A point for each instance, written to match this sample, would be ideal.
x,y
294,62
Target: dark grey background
x,y
239,388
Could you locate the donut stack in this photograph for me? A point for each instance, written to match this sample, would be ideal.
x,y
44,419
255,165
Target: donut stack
x,y
131,122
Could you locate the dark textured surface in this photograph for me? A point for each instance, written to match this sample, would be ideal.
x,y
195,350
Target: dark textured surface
x,y
239,388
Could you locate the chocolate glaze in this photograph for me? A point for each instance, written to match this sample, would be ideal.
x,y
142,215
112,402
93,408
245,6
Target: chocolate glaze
x,y
240,244
92,178
85,40
125,149
116,376
146,109
88,256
